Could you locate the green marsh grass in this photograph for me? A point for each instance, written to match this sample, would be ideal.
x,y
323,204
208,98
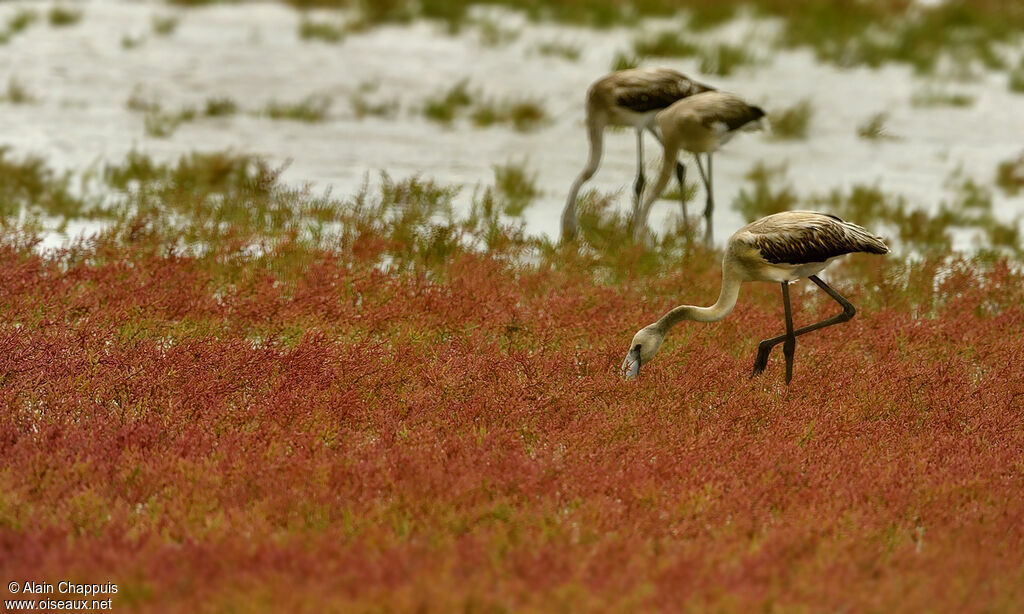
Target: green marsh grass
x,y
1015,80
869,33
141,103
937,96
492,34
443,107
326,31
212,198
31,184
311,109
365,106
917,228
624,61
522,114
792,123
665,44
873,128
18,93
62,16
768,192
366,102
164,25
162,124
1010,175
516,186
673,193
21,20
723,59
220,106
554,48
129,41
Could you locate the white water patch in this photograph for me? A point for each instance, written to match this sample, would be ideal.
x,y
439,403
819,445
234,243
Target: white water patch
x,y
252,53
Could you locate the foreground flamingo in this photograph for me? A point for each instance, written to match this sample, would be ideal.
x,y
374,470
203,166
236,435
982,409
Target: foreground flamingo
x,y
781,248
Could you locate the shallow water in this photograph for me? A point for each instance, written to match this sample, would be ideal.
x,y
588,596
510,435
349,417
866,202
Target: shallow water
x,y
83,76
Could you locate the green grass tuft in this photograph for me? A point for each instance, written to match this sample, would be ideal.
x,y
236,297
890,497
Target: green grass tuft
x,y
61,16
516,186
621,61
559,49
1015,80
164,25
492,34
321,30
31,185
723,60
873,128
763,197
792,123
934,96
311,109
363,106
523,115
131,42
666,44
17,92
21,20
1010,175
444,106
220,106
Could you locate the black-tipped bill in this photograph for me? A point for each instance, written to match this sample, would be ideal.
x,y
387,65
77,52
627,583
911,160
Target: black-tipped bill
x,y
631,366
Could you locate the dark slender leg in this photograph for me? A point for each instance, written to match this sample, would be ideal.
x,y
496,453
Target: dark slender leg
x,y
789,346
709,208
765,347
638,187
681,176
706,178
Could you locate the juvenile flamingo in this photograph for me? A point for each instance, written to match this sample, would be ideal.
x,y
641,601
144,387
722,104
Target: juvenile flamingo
x,y
782,248
633,98
699,124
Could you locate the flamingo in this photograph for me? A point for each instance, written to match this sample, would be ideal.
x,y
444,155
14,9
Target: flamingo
x,y
699,123
631,97
781,248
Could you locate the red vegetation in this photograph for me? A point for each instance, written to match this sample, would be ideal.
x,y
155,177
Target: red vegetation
x,y
218,434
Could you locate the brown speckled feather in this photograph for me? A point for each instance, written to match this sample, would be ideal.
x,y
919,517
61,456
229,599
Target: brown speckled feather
x,y
647,89
801,237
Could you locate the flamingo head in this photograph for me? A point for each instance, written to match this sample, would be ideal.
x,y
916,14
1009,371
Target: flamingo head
x,y
642,349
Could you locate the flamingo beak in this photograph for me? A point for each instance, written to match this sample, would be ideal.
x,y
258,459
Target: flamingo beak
x,y
631,366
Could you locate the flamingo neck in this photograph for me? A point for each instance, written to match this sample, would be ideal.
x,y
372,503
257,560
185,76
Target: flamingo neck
x,y
595,131
722,307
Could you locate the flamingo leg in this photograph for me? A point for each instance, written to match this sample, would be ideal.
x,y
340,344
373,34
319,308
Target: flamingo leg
x,y
789,345
765,347
638,186
595,134
709,207
680,176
